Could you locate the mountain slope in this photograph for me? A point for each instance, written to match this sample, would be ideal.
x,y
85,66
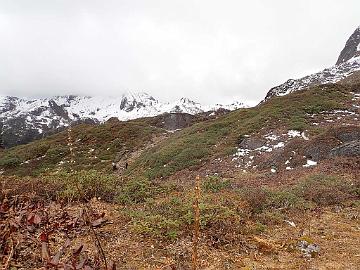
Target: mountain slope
x,y
347,64
24,120
228,142
258,135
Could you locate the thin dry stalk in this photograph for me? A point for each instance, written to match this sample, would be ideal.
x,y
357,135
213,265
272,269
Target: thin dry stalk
x,y
96,240
71,146
7,264
86,209
196,224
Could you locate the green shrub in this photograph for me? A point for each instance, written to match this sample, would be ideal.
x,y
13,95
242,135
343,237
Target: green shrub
x,y
285,199
171,216
260,228
10,162
325,190
56,153
36,149
85,185
135,191
297,123
215,184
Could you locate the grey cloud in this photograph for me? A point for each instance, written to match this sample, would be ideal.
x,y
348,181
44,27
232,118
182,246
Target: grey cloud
x,y
207,50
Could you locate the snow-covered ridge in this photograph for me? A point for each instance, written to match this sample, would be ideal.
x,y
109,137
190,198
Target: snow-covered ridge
x,y
25,119
348,63
329,75
125,107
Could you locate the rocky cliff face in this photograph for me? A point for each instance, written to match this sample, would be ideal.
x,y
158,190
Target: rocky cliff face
x,y
351,49
24,120
347,64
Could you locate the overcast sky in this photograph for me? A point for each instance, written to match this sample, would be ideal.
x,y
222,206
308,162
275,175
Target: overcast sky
x,y
207,50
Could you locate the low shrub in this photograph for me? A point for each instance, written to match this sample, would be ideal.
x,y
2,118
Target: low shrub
x,y
170,216
56,153
255,197
325,190
135,191
85,185
215,184
10,162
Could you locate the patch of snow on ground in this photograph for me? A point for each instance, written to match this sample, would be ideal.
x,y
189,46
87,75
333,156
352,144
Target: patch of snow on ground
x,y
271,137
241,152
279,145
310,163
294,133
264,149
303,135
291,223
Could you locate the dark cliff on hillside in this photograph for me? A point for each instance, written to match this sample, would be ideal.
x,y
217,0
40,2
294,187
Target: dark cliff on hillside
x,y
347,64
351,48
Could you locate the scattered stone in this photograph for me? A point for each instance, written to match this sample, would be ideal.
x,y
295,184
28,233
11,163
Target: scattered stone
x,y
310,250
347,149
291,223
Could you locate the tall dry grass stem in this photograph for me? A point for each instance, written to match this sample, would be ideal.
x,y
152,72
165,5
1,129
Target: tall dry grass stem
x,y
196,223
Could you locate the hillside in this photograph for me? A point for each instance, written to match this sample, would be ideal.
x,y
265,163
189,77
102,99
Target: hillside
x,y
259,136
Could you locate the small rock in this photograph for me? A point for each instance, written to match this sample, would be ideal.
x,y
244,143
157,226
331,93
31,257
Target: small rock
x,y
308,249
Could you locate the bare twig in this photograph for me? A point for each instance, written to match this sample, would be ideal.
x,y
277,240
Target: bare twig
x,y
88,222
7,264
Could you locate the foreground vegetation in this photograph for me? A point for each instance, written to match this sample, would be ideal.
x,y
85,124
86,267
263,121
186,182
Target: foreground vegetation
x,y
165,210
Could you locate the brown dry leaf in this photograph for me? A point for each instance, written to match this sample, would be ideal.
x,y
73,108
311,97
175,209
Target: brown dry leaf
x,y
77,251
36,219
98,222
56,259
45,255
266,245
44,237
111,266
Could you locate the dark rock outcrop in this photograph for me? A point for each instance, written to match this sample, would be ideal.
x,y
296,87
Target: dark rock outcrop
x,y
351,48
350,149
346,65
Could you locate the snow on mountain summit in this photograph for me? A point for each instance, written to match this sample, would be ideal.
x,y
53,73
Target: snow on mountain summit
x,y
347,63
24,119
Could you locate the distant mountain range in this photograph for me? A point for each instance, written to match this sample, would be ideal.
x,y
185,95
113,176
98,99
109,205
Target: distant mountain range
x,y
26,119
347,64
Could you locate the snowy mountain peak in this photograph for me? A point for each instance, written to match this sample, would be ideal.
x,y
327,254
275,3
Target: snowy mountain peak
x,y
347,64
351,49
27,118
188,101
